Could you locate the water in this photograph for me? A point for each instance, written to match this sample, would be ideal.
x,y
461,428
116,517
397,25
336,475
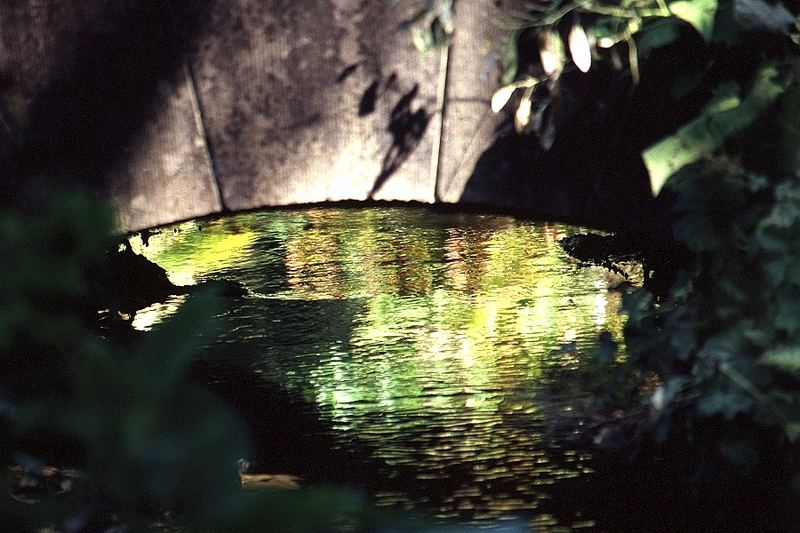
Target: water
x,y
426,343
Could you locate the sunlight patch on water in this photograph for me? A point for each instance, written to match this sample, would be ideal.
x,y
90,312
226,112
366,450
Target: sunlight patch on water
x,y
146,318
188,252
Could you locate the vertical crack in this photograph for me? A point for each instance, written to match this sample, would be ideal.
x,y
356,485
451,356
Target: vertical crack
x,y
441,103
200,124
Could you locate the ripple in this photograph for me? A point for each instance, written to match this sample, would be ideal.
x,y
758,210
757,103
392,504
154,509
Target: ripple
x,y
428,338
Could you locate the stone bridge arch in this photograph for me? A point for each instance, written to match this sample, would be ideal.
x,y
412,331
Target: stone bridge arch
x,y
177,110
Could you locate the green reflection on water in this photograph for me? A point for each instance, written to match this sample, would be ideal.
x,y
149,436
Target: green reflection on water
x,y
188,253
426,336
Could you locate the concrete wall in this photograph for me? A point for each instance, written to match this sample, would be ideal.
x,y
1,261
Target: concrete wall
x,y
181,109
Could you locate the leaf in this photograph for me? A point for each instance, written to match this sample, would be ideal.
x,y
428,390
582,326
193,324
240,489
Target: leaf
x,y
759,15
165,354
447,17
606,32
788,119
422,39
665,395
726,403
439,34
788,316
771,241
508,61
655,35
551,53
685,83
724,116
606,350
775,270
792,431
523,115
547,129
783,215
786,359
501,97
699,13
579,48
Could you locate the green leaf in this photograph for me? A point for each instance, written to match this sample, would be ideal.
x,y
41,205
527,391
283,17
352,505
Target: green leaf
x,y
726,30
654,35
422,39
605,28
579,48
439,33
770,239
508,61
685,83
786,359
501,97
606,350
788,316
165,354
763,16
784,215
775,270
724,116
699,13
551,53
793,431
788,121
726,403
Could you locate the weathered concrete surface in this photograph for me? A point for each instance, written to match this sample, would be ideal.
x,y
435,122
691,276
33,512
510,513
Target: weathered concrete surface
x,y
469,125
311,101
166,171
95,92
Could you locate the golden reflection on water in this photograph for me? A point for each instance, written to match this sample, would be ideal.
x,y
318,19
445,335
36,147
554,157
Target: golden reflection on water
x,y
187,253
427,337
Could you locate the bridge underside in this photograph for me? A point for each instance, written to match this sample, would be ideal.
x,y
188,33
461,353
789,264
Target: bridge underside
x,y
174,112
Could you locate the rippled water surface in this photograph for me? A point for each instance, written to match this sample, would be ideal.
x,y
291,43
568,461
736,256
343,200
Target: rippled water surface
x,y
428,341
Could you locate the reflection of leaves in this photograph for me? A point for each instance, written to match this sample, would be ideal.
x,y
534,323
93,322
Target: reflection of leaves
x,y
665,395
320,509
